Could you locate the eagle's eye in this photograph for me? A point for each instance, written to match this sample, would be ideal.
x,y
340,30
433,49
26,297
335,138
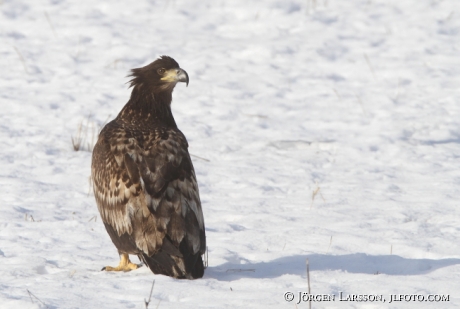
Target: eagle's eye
x,y
161,71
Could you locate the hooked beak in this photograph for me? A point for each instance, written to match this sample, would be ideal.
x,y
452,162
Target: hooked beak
x,y
176,75
182,76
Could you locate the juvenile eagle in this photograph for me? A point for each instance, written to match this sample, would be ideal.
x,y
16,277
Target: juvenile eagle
x,y
144,181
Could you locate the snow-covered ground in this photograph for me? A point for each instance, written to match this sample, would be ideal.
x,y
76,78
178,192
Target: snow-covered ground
x,y
357,101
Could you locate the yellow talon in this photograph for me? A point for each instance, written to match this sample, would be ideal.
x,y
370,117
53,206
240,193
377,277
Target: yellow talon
x,y
124,265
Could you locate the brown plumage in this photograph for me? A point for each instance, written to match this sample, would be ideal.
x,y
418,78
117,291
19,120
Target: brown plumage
x,y
144,182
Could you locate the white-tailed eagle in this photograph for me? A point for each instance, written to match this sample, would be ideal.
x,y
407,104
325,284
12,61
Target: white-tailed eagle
x,y
144,182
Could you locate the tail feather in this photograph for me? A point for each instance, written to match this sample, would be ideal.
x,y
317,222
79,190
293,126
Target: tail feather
x,y
179,264
198,269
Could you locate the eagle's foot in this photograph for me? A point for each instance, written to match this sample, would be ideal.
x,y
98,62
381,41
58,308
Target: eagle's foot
x,y
125,264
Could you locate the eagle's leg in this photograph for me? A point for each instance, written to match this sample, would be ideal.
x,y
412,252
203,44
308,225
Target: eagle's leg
x,y
125,264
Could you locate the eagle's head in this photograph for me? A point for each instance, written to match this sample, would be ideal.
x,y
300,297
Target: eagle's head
x,y
162,75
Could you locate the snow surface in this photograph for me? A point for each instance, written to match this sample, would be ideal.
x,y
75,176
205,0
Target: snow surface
x,y
358,98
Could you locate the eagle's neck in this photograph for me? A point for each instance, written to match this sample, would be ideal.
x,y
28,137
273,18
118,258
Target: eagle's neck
x,y
149,108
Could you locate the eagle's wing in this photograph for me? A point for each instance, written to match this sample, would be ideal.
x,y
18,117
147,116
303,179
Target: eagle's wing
x,y
113,187
152,194
170,189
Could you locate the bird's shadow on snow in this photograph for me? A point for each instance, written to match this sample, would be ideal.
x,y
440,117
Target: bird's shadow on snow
x,y
359,263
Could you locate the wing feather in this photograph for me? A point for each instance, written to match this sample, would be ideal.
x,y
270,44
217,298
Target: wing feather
x,y
145,186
